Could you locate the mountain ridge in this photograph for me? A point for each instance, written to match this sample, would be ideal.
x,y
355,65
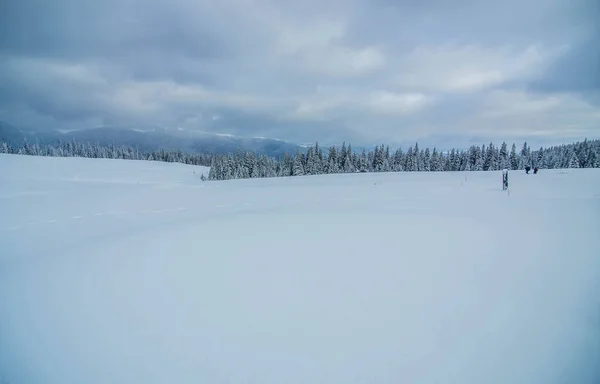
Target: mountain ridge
x,y
153,138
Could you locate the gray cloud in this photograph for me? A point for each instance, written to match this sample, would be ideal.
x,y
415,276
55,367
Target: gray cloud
x,y
358,70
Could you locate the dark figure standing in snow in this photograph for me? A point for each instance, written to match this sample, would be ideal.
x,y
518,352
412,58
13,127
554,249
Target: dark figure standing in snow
x,y
527,169
535,170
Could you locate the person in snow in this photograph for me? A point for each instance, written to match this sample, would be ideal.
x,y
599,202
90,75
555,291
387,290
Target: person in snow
x,y
535,170
527,169
504,179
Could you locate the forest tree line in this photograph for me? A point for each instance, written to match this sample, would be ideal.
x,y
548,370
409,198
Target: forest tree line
x,y
316,161
98,151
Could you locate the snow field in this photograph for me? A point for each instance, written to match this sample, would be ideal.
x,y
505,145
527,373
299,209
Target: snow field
x,y
133,271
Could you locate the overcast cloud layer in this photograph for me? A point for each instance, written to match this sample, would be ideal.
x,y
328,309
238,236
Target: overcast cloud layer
x,y
365,71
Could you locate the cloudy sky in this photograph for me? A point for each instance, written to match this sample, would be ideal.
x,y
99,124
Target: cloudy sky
x,y
366,71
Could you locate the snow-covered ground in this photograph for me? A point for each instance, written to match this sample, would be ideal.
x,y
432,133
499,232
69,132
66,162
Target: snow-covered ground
x,y
115,271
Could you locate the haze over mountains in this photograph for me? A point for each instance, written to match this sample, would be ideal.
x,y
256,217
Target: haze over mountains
x,y
152,138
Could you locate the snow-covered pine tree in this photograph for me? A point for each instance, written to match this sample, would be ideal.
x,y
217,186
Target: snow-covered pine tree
x,y
478,164
319,159
451,161
593,159
378,159
573,160
472,155
332,160
417,166
213,172
409,160
525,156
539,158
489,154
427,160
467,165
503,162
397,161
435,160
457,166
311,168
298,168
349,163
364,162
287,166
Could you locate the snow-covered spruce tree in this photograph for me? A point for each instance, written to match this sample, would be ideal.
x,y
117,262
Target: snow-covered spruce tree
x,y
311,167
363,165
426,160
458,161
467,166
417,166
573,160
213,172
397,161
287,165
297,167
356,161
503,156
386,159
451,161
525,156
332,160
491,159
349,164
478,164
435,160
473,154
342,157
409,160
539,159
593,159
319,159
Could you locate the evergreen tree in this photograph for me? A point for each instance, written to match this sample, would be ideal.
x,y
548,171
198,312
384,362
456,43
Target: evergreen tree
x,y
297,167
349,161
457,166
364,162
504,161
410,164
435,161
311,166
286,168
397,161
525,156
427,160
539,161
573,160
593,159
342,157
478,164
332,160
378,159
416,158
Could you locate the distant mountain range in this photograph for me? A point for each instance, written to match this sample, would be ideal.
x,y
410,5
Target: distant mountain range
x,y
153,139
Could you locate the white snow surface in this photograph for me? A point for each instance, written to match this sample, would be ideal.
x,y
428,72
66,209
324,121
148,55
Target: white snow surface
x,y
117,271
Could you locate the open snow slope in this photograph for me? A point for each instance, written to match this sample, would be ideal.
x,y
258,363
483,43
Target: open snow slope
x,y
117,271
